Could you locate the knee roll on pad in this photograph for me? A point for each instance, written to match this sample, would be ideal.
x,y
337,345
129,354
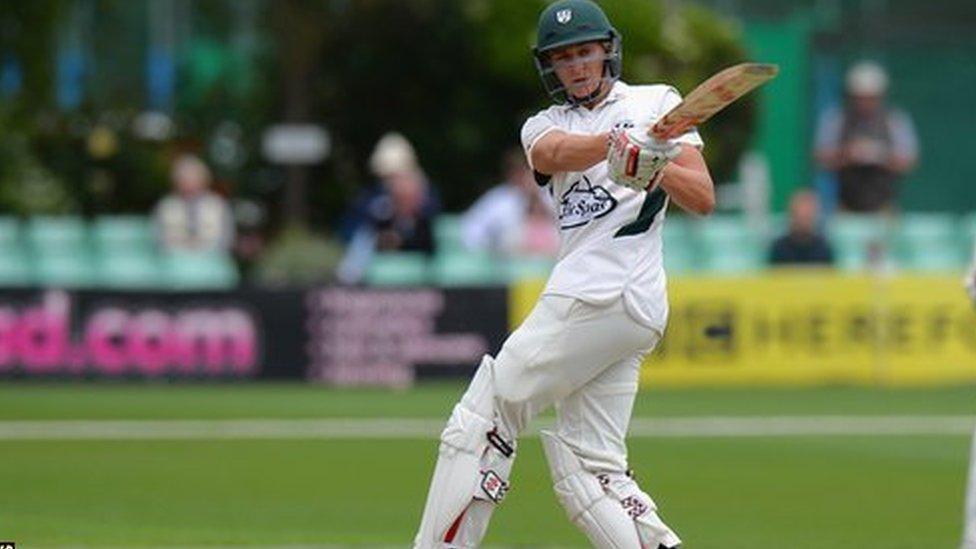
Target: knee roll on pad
x,y
466,431
472,417
471,430
576,489
582,495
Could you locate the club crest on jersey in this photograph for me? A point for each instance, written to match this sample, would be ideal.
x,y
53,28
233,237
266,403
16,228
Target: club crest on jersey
x,y
583,202
564,16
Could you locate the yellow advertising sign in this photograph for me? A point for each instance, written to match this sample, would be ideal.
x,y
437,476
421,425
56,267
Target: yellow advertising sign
x,y
807,328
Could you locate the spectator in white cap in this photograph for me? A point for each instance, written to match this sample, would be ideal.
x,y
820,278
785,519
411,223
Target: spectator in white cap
x,y
867,143
397,215
392,155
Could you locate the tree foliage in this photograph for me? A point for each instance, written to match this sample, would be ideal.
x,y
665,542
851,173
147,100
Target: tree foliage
x,y
455,76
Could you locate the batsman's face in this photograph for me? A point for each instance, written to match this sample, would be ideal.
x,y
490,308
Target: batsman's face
x,y
580,67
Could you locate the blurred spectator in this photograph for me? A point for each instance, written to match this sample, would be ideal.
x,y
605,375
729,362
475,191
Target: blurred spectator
x,y
396,218
970,280
868,144
193,217
392,153
399,218
539,235
802,244
514,216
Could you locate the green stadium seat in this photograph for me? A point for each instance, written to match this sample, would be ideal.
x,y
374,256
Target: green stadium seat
x,y
112,234
744,258
927,226
855,238
65,269
398,269
528,268
722,228
9,233
968,232
15,267
129,270
930,242
777,225
941,259
680,245
62,234
679,260
185,270
676,229
462,268
855,227
729,246
448,233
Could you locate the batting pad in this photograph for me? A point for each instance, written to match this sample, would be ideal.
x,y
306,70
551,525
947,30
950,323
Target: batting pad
x,y
603,520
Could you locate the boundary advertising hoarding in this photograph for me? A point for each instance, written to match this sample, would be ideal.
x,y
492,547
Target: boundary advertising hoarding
x,y
338,335
196,335
390,337
808,328
790,328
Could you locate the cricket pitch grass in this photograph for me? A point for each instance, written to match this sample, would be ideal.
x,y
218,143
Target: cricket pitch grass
x,y
119,465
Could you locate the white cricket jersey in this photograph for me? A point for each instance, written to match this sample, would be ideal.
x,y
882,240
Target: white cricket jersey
x,y
611,235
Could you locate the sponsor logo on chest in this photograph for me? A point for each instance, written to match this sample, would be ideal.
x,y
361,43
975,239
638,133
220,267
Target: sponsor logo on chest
x,y
583,202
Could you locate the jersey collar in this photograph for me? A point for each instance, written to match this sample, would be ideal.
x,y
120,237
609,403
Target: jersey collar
x,y
617,92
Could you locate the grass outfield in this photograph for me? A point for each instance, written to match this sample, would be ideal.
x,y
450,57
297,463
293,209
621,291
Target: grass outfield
x,y
842,491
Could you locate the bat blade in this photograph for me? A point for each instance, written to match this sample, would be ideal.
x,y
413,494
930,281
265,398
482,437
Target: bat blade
x,y
711,96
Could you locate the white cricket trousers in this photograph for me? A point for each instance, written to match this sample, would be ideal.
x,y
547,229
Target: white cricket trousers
x,y
584,359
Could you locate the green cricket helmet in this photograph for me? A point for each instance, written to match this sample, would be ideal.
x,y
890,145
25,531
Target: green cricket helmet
x,y
568,22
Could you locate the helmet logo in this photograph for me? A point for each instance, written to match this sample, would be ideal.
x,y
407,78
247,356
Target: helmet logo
x,y
564,16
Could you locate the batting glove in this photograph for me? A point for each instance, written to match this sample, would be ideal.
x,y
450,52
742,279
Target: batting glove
x,y
635,160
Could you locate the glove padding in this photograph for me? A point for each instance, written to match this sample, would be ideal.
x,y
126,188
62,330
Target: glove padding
x,y
635,160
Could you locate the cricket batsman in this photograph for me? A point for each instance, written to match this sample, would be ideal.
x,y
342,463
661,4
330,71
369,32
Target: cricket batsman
x,y
603,308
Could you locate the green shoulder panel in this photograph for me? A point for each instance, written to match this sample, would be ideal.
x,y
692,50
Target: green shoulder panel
x,y
653,204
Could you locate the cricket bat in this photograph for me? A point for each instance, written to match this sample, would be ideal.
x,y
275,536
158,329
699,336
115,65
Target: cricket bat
x,y
711,96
